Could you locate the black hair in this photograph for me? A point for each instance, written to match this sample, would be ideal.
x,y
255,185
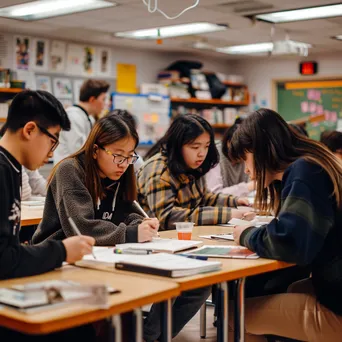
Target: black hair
x,y
125,115
228,136
333,140
300,129
184,130
38,106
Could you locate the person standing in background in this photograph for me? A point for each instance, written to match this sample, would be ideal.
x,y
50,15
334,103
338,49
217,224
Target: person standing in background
x,y
82,117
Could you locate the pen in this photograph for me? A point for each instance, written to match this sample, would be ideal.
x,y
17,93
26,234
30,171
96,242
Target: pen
x,y
76,230
142,211
194,256
132,251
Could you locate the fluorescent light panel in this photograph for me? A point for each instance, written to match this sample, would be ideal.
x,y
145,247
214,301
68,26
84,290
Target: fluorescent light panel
x,y
339,37
259,48
246,49
302,14
42,9
172,31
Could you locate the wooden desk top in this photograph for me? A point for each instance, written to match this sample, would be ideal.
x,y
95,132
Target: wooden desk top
x,y
232,269
31,216
136,291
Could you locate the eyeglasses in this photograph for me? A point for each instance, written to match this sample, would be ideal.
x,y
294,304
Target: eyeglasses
x,y
119,159
51,136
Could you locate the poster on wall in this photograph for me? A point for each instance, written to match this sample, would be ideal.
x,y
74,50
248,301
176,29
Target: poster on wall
x,y
81,60
104,62
77,88
44,83
89,61
57,56
62,88
75,59
39,58
22,52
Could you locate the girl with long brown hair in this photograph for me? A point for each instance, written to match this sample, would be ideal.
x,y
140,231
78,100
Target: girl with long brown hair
x,y
96,187
301,181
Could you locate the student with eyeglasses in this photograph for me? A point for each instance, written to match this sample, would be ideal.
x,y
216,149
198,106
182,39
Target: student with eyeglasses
x,y
30,135
96,188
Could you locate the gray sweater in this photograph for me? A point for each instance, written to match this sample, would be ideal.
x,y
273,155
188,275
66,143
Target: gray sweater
x,y
67,196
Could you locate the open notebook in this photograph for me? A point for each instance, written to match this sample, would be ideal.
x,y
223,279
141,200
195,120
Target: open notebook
x,y
162,264
162,245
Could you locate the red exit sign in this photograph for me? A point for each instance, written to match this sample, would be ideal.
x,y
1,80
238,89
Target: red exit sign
x,y
308,68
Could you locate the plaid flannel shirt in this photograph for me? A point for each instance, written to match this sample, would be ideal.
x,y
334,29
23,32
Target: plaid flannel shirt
x,y
179,199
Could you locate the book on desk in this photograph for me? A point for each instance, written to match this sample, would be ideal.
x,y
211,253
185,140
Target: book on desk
x,y
44,295
161,264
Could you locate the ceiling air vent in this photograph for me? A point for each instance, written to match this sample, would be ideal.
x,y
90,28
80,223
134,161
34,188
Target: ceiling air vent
x,y
246,7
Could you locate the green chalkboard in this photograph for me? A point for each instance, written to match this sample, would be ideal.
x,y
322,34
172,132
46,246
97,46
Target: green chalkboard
x,y
300,100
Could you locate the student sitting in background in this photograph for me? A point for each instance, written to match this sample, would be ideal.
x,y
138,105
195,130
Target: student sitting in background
x,y
82,117
228,177
171,184
307,230
333,140
33,184
96,187
34,121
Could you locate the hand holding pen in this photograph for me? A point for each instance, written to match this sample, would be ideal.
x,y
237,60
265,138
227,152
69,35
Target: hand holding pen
x,y
77,232
148,228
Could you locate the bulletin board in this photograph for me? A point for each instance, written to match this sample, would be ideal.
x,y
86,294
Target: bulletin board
x,y
151,113
311,99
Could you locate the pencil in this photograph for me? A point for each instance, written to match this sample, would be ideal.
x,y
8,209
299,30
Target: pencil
x,y
142,211
137,205
76,230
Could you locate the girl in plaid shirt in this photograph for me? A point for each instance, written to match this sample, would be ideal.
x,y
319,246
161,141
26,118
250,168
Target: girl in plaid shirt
x,y
171,184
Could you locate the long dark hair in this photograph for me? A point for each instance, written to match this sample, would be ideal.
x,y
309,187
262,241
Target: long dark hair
x,y
183,130
106,131
228,134
275,146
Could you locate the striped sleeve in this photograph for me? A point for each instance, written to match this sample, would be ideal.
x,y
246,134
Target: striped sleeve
x,y
161,199
297,236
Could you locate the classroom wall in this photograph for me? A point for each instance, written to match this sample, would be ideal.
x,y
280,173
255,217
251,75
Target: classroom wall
x,y
259,73
149,62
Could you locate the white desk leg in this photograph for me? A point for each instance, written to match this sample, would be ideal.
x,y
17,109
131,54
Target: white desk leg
x,y
203,320
166,320
116,322
241,307
138,325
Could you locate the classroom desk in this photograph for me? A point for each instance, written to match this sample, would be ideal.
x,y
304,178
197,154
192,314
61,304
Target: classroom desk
x,y
31,216
130,298
232,269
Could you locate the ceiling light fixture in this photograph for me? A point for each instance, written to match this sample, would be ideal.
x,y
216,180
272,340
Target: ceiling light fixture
x,y
280,47
42,9
247,49
301,14
172,31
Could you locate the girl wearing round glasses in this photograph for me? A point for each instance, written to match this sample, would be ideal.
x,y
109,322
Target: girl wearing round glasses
x,y
96,187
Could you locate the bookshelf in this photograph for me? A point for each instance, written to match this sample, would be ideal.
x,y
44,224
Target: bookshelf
x,y
216,102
